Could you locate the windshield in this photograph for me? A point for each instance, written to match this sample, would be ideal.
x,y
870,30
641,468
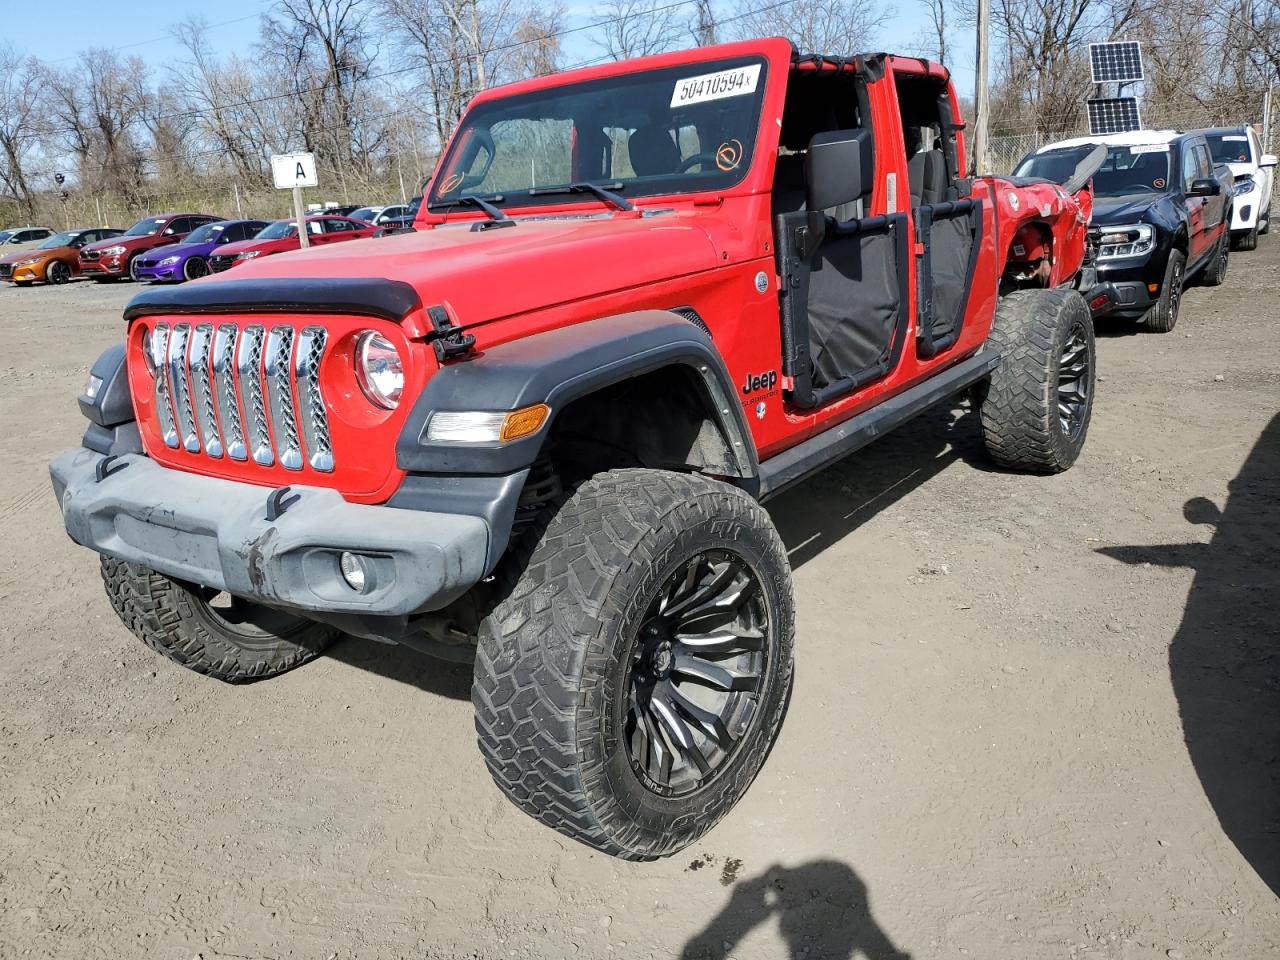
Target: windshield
x,y
146,228
676,130
364,213
278,230
6,234
1127,169
206,233
1229,147
57,240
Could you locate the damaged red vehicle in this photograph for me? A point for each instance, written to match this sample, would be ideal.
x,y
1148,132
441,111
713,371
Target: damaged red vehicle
x,y
537,432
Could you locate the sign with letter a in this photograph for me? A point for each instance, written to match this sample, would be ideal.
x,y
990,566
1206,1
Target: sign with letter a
x,y
291,170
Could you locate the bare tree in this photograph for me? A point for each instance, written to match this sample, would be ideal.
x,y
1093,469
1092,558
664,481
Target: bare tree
x,y
95,109
936,14
635,28
462,46
19,124
704,23
816,26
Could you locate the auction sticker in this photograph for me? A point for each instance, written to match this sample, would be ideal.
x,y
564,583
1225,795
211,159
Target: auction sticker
x,y
1149,148
716,86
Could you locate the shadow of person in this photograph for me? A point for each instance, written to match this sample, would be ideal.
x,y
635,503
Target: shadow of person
x,y
1224,661
821,909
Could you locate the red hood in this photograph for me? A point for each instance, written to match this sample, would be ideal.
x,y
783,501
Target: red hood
x,y
493,273
130,243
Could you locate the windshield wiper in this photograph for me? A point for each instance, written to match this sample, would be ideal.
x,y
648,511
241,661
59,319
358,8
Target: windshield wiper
x,y
490,211
601,191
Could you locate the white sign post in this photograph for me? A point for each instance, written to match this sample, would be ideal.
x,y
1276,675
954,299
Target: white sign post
x,y
293,171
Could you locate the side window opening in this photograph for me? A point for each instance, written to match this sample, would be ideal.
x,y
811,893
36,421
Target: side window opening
x,y
1188,167
817,102
932,165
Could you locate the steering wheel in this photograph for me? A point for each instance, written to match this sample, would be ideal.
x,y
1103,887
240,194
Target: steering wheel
x,y
697,158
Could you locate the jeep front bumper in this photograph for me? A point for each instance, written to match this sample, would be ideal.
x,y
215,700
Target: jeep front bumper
x,y
216,533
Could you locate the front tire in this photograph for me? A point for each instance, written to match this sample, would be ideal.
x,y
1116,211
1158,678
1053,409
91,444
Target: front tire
x,y
194,268
234,641
630,686
57,272
1036,407
1163,316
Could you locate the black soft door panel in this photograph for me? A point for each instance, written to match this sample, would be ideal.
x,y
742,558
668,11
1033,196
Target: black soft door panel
x,y
844,303
952,235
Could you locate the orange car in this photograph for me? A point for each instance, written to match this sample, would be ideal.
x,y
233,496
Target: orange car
x,y
55,260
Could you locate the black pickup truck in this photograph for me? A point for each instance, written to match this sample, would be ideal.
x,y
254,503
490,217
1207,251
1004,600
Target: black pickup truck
x,y
1161,215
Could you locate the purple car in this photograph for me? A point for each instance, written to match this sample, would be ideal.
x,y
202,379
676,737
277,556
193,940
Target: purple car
x,y
190,259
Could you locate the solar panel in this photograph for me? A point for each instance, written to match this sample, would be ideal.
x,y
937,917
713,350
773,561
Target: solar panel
x,y
1116,62
1114,115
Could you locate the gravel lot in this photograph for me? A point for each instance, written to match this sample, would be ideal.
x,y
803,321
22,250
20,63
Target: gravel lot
x,y
1032,717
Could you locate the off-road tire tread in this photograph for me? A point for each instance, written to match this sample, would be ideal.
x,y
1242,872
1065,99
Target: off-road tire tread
x,y
157,610
1019,410
533,648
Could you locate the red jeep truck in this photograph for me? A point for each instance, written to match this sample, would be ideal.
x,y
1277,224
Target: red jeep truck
x,y
536,432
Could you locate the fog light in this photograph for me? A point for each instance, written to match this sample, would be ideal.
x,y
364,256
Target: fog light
x,y
92,387
354,570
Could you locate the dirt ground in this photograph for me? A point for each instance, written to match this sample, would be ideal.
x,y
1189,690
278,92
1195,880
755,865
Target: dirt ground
x,y
1032,717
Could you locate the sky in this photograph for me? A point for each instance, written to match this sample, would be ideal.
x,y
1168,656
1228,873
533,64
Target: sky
x,y
234,28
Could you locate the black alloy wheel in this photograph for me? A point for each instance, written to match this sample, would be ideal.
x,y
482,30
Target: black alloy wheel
x,y
57,272
697,669
195,268
1074,381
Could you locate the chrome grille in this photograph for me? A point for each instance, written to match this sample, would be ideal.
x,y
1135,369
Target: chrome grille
x,y
315,422
243,391
181,388
249,368
284,423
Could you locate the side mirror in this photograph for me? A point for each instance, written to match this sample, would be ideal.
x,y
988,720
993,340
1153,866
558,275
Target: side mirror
x,y
839,168
1268,160
1204,187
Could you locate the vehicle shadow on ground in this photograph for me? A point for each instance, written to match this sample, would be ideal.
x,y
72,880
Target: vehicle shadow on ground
x,y
821,909
823,509
405,665
811,517
1224,660
1111,327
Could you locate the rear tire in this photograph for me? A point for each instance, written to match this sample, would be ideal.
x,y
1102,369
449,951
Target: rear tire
x,y
1246,241
571,669
1215,272
1163,316
1037,404
239,644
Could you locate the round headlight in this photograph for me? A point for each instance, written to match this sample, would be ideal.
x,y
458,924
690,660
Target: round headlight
x,y
379,369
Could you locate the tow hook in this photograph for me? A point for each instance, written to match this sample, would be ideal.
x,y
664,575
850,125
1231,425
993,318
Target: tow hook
x,y
278,501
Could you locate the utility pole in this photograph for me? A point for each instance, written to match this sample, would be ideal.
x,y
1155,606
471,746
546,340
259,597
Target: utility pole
x,y
1266,118
980,99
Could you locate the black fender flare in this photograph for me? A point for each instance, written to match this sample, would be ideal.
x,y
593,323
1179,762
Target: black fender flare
x,y
109,410
562,365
